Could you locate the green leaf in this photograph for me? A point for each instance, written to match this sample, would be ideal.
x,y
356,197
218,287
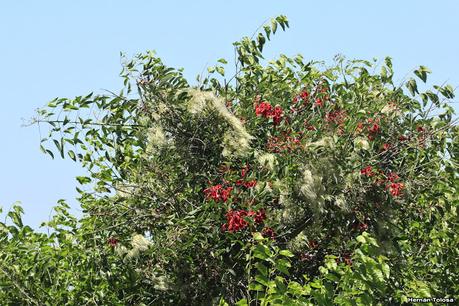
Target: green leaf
x,y
261,41
412,87
256,287
257,236
274,25
262,280
422,73
361,239
222,60
262,252
262,268
446,91
221,70
267,31
286,253
242,302
72,155
83,180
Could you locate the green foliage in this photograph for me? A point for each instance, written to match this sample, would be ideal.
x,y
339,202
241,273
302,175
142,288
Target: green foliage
x,y
289,183
361,281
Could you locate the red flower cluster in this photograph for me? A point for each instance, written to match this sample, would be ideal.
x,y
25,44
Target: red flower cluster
x,y
112,242
279,144
268,233
367,171
337,117
361,226
235,219
374,129
309,126
304,95
277,115
258,216
218,193
346,258
395,189
313,244
306,256
244,170
422,136
263,109
403,138
392,177
246,184
266,110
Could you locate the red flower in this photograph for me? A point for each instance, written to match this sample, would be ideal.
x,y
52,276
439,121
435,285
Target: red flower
x,y
403,138
318,102
217,193
306,257
374,129
386,146
268,233
362,226
336,117
367,171
395,189
313,244
266,110
392,177
213,192
226,193
277,115
244,170
260,216
235,220
347,259
263,109
304,95
250,184
112,242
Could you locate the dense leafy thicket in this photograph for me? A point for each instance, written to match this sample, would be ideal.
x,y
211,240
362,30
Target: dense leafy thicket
x,y
290,183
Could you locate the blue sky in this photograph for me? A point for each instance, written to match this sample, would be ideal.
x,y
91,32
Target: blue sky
x,y
66,48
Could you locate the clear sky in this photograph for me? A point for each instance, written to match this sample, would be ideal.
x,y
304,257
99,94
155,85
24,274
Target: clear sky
x,y
66,48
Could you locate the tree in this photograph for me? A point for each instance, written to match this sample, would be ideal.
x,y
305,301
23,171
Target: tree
x,y
291,182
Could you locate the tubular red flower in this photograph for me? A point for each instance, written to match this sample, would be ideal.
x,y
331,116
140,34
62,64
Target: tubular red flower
x,y
367,171
263,109
268,233
276,114
304,95
395,189
112,242
250,184
374,129
260,216
235,220
218,193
